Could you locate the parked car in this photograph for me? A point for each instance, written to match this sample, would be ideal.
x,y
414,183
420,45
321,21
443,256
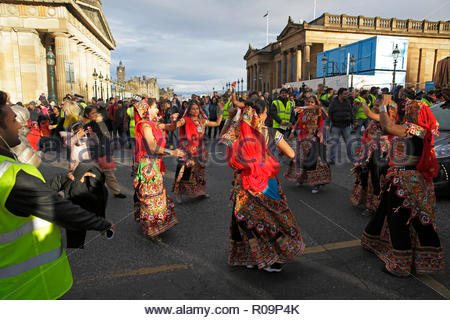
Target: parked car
x,y
442,149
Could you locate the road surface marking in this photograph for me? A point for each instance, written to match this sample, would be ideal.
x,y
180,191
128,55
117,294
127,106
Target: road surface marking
x,y
141,272
332,246
435,285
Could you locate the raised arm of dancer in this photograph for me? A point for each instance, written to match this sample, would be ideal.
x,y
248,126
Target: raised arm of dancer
x,y
387,124
370,114
155,148
235,101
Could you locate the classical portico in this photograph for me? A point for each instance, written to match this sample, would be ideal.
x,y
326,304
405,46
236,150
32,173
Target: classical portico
x,y
78,34
293,57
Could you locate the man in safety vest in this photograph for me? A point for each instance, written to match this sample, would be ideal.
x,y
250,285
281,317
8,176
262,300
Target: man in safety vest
x,y
226,112
130,121
282,111
361,118
372,96
33,263
326,98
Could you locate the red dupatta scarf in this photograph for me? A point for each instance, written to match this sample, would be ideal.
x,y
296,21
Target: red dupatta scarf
x,y
142,118
418,112
191,135
250,155
311,124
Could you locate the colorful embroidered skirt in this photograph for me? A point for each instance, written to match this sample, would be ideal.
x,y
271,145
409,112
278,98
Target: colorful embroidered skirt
x,y
366,189
193,181
152,207
403,232
309,165
263,231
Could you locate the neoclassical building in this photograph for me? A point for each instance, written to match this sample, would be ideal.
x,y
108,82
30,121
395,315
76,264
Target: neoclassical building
x,y
293,57
75,30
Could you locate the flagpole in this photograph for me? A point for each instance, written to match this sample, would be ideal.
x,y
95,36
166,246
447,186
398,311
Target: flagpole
x,y
267,28
315,5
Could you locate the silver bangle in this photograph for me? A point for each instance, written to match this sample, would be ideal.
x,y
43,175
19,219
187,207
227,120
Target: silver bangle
x,y
383,108
167,152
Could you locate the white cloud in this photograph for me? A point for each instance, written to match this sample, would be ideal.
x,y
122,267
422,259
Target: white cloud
x,y
197,44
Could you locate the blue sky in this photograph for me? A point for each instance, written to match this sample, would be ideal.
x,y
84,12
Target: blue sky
x,y
194,45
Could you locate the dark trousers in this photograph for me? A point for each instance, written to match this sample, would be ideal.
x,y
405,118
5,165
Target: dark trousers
x,y
212,132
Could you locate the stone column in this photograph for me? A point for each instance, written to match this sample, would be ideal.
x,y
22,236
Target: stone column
x,y
289,66
283,68
22,64
256,78
412,76
306,61
62,53
76,86
83,72
248,78
277,74
10,77
298,72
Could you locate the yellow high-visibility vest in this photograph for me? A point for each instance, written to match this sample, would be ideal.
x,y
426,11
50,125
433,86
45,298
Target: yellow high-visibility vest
x,y
360,112
130,113
284,112
33,263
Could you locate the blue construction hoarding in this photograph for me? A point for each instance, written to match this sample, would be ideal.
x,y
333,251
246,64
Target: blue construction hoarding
x,y
373,57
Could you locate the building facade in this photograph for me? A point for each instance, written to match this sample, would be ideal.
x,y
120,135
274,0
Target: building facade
x,y
293,57
144,86
77,33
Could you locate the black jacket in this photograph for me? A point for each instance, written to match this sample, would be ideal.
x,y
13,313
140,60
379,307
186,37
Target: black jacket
x,y
30,195
90,195
340,113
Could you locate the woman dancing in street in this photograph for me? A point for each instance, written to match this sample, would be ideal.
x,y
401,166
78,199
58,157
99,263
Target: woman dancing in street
x,y
190,177
372,160
152,207
310,164
403,232
263,230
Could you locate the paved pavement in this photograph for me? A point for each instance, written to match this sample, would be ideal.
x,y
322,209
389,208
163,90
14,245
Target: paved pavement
x,y
190,260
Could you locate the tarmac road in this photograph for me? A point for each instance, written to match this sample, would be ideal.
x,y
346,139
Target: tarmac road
x,y
190,260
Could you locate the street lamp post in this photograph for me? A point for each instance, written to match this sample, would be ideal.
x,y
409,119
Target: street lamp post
x,y
95,76
238,82
352,65
51,63
107,87
324,63
242,85
100,78
395,55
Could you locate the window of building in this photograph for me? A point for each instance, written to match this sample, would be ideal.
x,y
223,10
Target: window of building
x,y
70,73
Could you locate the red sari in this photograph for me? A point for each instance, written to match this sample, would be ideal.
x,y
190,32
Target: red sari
x,y
152,207
190,177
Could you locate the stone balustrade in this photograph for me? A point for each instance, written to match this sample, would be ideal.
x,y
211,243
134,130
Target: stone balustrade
x,y
367,23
